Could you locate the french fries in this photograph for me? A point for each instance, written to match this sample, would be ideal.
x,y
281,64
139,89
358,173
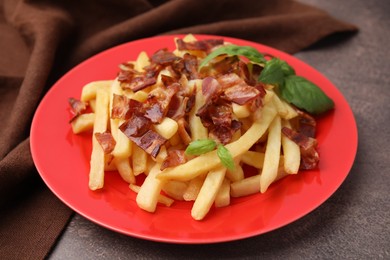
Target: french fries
x,y
96,173
202,178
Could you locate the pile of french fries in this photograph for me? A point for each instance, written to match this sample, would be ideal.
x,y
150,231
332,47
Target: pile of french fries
x,y
202,179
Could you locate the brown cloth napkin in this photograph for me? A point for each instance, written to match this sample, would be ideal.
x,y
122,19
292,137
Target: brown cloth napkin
x,y
41,39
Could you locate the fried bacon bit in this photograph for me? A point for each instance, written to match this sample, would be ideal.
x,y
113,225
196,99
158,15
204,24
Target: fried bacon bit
x,y
150,142
124,108
307,145
183,131
137,129
174,158
241,94
106,141
77,107
191,66
202,45
139,83
164,57
157,104
307,124
167,80
135,126
177,107
210,88
134,80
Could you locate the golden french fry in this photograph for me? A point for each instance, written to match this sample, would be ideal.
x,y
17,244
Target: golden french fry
x,y
167,128
280,107
139,160
252,158
193,188
92,105
149,192
96,173
223,196
83,122
272,155
291,151
236,174
161,198
241,111
207,193
89,91
291,112
210,160
124,169
175,189
198,131
250,185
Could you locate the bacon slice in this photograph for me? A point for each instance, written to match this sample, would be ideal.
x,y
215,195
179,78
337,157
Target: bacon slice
x,y
307,145
136,126
77,107
241,94
307,124
183,131
106,141
137,129
157,104
164,57
174,158
150,142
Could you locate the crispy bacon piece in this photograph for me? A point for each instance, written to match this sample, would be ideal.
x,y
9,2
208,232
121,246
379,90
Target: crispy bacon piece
x,y
77,106
241,94
164,57
177,107
150,142
137,129
210,88
202,45
306,123
157,104
135,80
136,126
124,108
191,66
106,141
225,133
139,83
183,131
174,158
307,145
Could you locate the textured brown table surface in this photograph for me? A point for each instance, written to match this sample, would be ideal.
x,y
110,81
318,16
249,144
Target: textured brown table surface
x,y
355,221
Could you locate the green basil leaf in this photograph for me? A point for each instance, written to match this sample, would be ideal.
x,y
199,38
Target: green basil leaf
x,y
275,71
249,52
225,157
305,95
199,147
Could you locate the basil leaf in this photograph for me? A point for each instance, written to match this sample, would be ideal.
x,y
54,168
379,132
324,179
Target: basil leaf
x,y
305,95
249,52
199,147
225,157
275,71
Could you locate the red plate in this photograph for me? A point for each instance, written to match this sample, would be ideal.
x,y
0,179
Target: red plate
x,y
62,160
